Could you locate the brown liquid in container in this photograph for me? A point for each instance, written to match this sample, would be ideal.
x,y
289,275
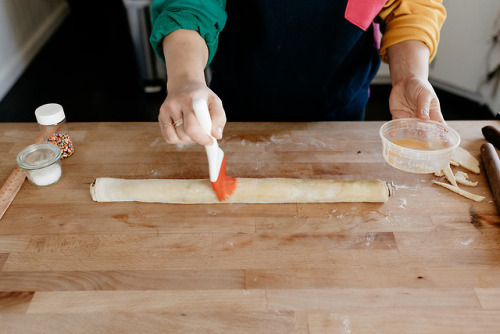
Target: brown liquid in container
x,y
412,144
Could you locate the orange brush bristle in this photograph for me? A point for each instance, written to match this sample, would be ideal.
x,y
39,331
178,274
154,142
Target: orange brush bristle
x,y
225,185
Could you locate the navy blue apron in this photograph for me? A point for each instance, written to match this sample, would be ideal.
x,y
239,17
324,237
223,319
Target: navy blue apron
x,y
293,60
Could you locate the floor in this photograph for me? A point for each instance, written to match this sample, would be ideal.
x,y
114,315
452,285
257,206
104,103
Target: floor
x,y
91,71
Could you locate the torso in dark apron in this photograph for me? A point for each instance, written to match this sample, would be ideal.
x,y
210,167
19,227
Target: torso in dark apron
x,y
291,60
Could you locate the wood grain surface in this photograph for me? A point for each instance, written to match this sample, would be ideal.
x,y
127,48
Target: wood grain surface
x,y
427,261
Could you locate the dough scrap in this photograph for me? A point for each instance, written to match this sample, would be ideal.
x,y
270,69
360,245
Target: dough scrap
x,y
465,160
463,178
249,190
459,191
449,176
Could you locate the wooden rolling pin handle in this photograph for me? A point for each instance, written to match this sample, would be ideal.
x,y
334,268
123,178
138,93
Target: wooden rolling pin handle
x,y
491,164
492,135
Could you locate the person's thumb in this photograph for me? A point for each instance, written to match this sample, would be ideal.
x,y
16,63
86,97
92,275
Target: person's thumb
x,y
218,117
435,113
423,106
428,107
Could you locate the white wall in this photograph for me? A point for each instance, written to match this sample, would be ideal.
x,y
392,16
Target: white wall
x,y
466,50
25,25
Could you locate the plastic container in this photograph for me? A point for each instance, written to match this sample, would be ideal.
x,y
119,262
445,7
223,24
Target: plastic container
x,y
53,127
418,146
41,163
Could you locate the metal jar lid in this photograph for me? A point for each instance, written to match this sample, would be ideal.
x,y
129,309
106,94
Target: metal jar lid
x,y
38,156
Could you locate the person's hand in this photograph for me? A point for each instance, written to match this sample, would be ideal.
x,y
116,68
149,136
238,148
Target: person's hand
x,y
186,56
177,119
415,98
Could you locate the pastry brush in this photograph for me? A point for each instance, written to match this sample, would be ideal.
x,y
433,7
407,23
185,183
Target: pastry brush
x,y
223,185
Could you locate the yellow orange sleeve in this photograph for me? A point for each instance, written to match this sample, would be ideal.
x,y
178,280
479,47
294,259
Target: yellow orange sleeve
x,y
403,20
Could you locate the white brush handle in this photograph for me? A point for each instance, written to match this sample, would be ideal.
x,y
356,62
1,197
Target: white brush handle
x,y
214,153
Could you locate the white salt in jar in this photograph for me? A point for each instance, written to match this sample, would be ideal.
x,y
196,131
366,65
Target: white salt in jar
x,y
41,163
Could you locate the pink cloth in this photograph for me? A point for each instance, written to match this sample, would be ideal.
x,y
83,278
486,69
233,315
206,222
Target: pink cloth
x,y
362,12
377,35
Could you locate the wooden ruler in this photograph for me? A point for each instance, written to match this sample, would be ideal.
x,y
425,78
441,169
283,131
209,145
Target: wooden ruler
x,y
10,188
13,184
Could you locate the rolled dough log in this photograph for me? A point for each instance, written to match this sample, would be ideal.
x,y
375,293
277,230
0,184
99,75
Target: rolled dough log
x,y
249,190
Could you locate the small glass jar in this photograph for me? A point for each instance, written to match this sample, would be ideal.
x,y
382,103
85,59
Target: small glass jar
x,y
53,127
41,163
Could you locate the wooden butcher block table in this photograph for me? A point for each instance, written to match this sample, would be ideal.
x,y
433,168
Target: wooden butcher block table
x,y
426,261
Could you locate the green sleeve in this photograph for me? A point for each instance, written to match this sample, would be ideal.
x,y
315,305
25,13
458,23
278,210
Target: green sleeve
x,y
207,17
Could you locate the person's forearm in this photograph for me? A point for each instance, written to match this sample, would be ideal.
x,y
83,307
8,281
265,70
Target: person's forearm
x,y
186,55
408,59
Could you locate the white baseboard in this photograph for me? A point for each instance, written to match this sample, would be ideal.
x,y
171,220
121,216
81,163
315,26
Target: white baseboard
x,y
15,68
